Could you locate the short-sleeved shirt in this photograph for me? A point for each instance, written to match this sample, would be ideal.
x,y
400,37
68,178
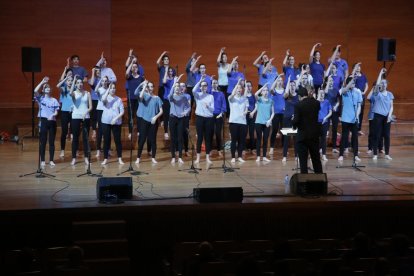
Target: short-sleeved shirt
x,y
252,102
342,67
290,104
264,110
360,82
233,79
65,99
332,96
47,107
111,109
350,101
79,71
238,106
150,106
80,105
203,100
382,103
290,72
317,72
220,105
269,77
133,83
325,108
278,101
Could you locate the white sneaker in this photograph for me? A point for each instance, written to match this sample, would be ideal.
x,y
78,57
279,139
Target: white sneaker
x,y
258,159
86,161
154,161
340,158
357,159
62,153
120,162
320,151
73,162
346,150
180,161
129,136
388,157
324,158
374,157
197,159
233,160
172,160
104,162
241,160
42,164
266,160
284,159
208,159
98,153
369,151
137,161
52,164
335,151
271,151
166,136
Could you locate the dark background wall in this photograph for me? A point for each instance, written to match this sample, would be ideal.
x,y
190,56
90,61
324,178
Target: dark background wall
x,y
246,28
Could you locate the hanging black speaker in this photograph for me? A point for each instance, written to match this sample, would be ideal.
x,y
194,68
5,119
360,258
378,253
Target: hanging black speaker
x,y
386,49
31,59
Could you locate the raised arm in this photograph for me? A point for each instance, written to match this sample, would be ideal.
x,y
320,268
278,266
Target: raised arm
x,y
106,94
268,66
100,60
272,88
286,94
328,70
144,87
312,52
61,82
233,93
380,75
256,95
285,60
188,65
229,68
129,58
41,83
194,65
159,60
332,59
196,88
65,69
257,60
176,82
219,56
128,70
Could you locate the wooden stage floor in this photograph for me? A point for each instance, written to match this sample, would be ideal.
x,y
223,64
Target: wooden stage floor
x,y
166,185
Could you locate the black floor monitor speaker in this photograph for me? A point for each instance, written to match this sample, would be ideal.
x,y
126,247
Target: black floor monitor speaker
x,y
115,187
386,49
31,59
226,194
309,184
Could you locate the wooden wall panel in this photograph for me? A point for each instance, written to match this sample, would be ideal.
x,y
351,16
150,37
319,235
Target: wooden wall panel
x,y
60,28
150,27
243,27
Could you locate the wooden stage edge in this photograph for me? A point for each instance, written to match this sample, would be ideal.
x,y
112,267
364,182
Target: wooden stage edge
x,y
166,185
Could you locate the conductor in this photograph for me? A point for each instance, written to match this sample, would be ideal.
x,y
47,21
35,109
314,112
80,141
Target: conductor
x,y
305,119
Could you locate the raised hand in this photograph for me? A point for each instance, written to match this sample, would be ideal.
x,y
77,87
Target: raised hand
x,y
131,51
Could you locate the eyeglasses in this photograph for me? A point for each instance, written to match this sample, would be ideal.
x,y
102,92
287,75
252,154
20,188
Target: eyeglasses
x,y
203,85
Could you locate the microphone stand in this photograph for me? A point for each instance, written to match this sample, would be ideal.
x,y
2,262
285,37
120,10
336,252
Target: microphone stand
x,y
39,173
224,166
88,152
192,169
131,125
